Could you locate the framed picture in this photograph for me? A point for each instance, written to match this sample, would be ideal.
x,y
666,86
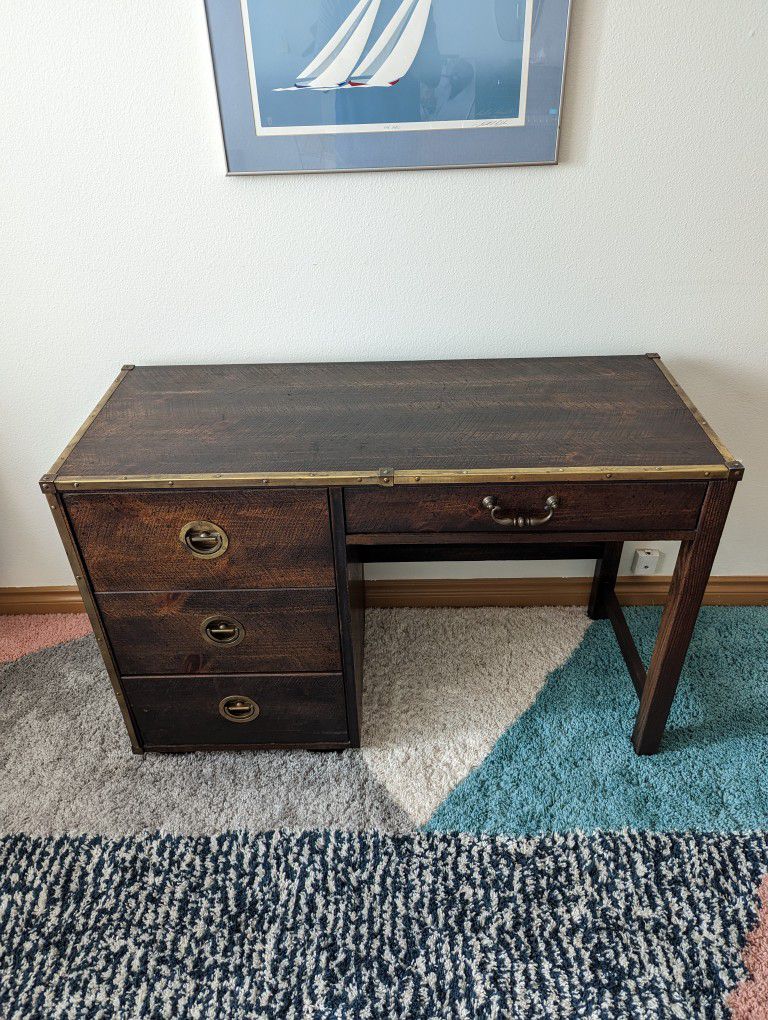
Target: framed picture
x,y
328,85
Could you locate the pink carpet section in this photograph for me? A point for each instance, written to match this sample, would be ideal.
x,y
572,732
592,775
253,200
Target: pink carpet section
x,y
20,635
750,1000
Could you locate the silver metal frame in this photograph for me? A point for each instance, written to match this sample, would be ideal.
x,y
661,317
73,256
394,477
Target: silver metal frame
x,y
387,169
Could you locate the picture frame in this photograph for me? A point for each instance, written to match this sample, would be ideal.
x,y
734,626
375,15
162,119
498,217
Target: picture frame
x,y
316,86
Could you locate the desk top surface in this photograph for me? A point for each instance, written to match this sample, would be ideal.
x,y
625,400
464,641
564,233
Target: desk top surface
x,y
398,419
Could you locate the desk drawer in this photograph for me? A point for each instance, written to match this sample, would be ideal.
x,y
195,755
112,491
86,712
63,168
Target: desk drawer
x,y
582,506
284,630
132,541
247,711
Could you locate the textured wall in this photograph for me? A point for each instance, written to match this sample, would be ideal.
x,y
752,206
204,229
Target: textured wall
x,y
121,239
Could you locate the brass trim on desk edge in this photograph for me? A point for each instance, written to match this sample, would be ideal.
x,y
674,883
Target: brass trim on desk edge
x,y
388,477
57,464
703,472
710,433
264,479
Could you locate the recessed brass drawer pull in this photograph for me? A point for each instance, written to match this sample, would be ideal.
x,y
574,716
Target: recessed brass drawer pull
x,y
204,539
238,708
491,503
218,630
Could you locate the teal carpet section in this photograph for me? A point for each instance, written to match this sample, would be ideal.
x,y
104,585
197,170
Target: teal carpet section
x,y
568,764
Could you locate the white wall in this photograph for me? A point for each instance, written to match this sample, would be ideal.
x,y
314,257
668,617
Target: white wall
x,y
122,240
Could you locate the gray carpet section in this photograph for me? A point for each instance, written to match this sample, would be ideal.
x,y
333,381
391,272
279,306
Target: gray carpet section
x,y
67,767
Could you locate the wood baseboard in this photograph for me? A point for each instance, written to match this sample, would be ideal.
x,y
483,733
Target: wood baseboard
x,y
554,591
61,599
514,591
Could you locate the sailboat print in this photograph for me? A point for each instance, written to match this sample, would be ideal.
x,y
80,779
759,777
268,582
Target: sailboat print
x,y
391,56
336,61
338,64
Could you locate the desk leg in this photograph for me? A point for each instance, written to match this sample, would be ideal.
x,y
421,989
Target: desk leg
x,y
689,580
350,596
604,582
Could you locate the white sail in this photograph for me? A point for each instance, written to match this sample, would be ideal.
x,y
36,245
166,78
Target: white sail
x,y
395,50
335,62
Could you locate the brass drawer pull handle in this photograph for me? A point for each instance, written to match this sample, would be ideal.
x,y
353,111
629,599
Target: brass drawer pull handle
x,y
491,503
238,708
203,539
218,630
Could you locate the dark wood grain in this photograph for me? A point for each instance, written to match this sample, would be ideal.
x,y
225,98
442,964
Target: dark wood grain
x,y
286,630
604,581
350,590
471,551
694,563
584,506
130,540
184,711
626,642
514,539
55,502
526,412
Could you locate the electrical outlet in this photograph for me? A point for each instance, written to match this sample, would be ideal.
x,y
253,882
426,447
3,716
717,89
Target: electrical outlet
x,y
646,561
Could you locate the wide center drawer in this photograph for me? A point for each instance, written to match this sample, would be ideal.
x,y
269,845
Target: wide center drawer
x,y
184,712
581,506
212,538
281,630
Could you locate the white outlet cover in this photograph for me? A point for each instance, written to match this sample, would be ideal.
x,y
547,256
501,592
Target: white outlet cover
x,y
646,561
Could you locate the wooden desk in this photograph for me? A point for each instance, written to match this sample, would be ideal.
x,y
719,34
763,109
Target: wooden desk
x,y
217,519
